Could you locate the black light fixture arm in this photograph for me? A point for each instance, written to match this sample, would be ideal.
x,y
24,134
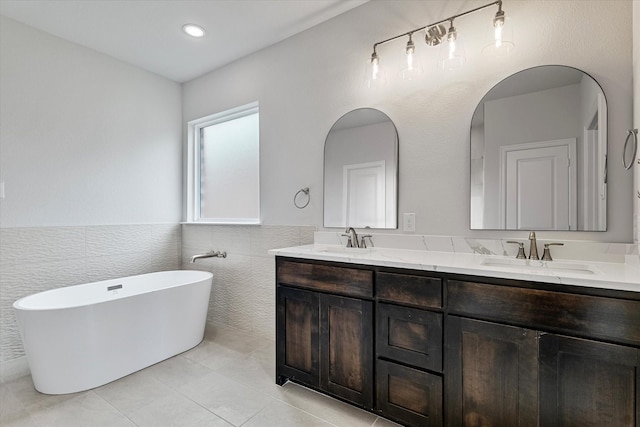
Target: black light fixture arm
x,y
449,19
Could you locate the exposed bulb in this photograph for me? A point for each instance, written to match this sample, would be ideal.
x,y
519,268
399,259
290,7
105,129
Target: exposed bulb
x,y
498,24
498,35
374,74
452,52
451,38
375,66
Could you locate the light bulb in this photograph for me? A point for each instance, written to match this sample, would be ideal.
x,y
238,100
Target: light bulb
x,y
499,40
451,38
452,54
375,66
498,34
498,24
410,61
411,48
374,75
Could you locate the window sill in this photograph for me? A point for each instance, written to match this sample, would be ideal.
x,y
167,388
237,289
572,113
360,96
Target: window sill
x,y
221,223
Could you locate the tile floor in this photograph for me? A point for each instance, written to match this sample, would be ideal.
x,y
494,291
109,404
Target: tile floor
x,y
227,380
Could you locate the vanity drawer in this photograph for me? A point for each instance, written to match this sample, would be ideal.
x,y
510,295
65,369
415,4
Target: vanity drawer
x,y
610,319
409,395
325,278
420,291
410,335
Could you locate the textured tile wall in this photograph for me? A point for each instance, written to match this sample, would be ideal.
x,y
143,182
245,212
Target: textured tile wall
x,y
38,259
243,293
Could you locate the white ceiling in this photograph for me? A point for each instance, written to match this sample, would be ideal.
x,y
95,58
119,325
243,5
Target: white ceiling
x,y
148,33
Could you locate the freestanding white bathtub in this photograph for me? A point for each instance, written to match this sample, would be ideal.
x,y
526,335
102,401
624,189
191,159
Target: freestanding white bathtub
x,y
80,337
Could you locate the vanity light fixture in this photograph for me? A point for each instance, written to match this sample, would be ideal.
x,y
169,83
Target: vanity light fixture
x,y
375,76
452,35
413,67
375,65
501,43
193,30
452,54
436,33
498,24
411,48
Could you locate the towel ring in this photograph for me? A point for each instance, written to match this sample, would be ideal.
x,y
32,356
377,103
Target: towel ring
x,y
295,198
630,132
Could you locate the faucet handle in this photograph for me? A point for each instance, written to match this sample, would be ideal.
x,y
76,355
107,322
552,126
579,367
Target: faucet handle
x,y
363,243
349,242
521,254
546,255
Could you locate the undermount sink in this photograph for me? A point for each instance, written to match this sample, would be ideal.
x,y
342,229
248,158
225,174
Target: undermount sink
x,y
541,266
342,250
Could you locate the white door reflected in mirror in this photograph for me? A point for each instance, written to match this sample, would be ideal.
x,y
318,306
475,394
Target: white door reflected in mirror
x,y
538,186
364,194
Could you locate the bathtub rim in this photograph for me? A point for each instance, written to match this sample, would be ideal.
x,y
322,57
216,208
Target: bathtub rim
x,y
17,305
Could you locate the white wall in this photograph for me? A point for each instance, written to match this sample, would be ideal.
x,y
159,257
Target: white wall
x,y
308,81
85,139
90,153
243,292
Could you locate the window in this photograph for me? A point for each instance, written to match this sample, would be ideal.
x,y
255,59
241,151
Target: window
x,y
223,183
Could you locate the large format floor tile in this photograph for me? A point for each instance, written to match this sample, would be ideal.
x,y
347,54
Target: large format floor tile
x,y
280,414
228,380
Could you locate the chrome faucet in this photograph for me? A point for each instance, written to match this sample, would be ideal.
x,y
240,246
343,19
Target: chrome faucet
x,y
210,254
352,242
533,246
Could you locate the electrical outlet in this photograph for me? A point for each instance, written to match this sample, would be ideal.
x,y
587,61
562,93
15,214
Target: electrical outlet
x,y
409,222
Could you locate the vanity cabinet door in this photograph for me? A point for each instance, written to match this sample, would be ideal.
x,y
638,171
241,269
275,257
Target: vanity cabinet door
x,y
346,342
298,339
491,374
326,342
588,383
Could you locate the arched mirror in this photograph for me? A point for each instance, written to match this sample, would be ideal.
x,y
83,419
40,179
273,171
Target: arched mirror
x,y
361,171
539,153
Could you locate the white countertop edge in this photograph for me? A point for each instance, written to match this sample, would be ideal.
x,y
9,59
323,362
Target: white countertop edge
x,y
614,276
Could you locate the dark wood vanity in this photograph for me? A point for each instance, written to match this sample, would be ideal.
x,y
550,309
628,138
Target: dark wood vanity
x,y
433,349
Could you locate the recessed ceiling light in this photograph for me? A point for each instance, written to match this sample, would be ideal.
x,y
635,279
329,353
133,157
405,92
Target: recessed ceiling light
x,y
193,30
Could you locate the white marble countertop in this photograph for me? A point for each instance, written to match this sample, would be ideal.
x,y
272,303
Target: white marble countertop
x,y
603,275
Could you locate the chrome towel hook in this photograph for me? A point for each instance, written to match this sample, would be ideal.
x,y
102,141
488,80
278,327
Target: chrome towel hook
x,y
634,133
295,198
